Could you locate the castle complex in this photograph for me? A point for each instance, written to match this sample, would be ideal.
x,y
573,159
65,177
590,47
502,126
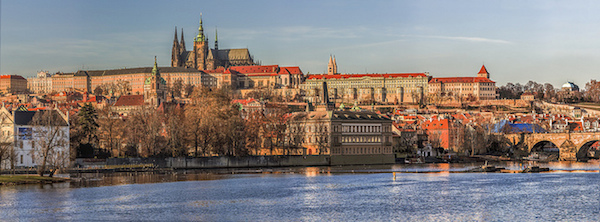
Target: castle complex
x,y
203,58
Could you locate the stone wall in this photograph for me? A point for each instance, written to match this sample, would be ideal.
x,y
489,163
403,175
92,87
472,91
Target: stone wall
x,y
224,162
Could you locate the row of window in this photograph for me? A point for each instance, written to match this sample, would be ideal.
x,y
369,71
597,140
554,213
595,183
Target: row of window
x,y
361,139
361,150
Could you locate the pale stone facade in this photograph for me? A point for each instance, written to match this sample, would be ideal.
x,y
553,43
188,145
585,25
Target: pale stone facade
x,y
382,88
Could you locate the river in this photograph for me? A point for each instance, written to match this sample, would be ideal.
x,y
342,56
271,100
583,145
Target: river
x,y
428,192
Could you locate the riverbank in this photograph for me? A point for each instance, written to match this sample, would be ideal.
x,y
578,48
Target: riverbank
x,y
29,179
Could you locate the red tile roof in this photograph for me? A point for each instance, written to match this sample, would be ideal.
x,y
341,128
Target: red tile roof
x,y
130,100
483,70
11,77
290,70
346,76
460,79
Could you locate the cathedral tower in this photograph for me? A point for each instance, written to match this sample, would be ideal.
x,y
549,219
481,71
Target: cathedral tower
x,y
483,72
200,48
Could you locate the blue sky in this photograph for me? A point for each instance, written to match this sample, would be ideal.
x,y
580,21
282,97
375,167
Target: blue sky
x,y
518,41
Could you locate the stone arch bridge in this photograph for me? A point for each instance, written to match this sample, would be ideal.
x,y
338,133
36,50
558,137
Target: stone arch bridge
x,y
570,145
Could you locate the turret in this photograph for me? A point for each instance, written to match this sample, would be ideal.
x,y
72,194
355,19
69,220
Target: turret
x,y
483,72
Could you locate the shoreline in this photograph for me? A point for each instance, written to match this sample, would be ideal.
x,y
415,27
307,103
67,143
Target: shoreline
x,y
10,180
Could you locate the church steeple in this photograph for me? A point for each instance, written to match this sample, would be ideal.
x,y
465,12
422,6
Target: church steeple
x,y
155,71
331,66
216,39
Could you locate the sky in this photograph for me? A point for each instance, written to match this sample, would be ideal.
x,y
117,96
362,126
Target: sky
x,y
518,41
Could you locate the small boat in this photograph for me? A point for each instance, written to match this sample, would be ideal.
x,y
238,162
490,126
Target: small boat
x,y
535,169
487,168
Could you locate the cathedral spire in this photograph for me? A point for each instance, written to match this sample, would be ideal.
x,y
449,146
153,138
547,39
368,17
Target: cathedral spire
x,y
175,39
216,39
182,42
200,37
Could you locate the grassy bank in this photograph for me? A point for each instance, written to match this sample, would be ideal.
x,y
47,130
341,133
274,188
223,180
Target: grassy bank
x,y
28,179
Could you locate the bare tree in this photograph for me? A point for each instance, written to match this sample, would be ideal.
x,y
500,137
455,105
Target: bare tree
x,y
6,147
50,141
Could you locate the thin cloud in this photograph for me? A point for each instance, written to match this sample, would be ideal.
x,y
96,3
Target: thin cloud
x,y
464,38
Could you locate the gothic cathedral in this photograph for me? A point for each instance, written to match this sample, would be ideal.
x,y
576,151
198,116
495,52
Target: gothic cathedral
x,y
204,58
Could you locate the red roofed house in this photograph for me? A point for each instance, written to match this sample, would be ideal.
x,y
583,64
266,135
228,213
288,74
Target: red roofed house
x,y
478,88
128,103
13,84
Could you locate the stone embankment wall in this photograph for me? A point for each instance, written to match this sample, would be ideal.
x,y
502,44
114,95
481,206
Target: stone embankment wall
x,y
223,162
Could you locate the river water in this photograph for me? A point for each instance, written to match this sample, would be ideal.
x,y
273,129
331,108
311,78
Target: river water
x,y
418,193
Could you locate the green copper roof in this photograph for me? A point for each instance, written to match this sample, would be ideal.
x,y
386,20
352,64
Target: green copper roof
x,y
200,37
155,68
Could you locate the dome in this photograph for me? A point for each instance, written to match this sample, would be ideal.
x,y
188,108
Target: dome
x,y
571,86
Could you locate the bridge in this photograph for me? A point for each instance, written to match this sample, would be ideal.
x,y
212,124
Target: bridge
x,y
572,146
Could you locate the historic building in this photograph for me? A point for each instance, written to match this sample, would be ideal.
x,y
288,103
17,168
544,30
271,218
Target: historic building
x,y
29,139
348,137
476,88
13,84
203,58
40,84
366,88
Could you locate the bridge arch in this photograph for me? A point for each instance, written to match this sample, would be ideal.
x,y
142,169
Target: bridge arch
x,y
583,150
544,150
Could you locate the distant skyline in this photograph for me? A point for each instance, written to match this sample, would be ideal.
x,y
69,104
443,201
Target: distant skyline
x,y
518,41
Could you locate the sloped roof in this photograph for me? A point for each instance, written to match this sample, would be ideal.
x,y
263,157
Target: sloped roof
x,y
231,54
130,100
350,115
483,70
25,117
460,79
517,127
134,71
347,76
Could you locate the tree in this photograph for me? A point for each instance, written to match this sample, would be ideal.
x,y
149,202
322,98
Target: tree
x,y
176,132
111,132
50,140
98,91
146,127
88,117
592,91
6,147
177,88
253,127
